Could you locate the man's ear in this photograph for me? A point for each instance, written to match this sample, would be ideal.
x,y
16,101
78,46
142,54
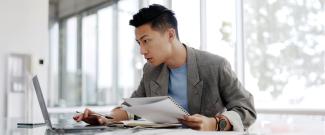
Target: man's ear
x,y
171,34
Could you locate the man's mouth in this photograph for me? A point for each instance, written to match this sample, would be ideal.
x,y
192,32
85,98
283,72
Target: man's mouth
x,y
149,59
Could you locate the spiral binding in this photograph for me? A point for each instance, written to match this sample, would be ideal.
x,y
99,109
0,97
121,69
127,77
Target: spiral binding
x,y
180,107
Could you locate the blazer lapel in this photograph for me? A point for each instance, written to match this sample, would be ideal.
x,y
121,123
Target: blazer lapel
x,y
194,83
159,85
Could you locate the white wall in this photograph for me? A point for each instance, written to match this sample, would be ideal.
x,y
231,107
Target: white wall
x,y
24,29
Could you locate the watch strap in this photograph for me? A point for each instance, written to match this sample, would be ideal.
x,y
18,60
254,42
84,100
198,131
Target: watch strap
x,y
217,122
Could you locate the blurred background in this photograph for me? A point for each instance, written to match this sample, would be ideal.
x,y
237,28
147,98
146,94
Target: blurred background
x,y
85,54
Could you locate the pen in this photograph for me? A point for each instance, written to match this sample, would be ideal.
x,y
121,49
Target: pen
x,y
100,115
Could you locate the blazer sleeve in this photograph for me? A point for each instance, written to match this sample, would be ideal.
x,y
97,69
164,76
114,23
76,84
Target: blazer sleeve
x,y
140,91
235,97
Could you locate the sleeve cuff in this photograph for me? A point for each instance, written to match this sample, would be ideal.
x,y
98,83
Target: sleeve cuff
x,y
235,120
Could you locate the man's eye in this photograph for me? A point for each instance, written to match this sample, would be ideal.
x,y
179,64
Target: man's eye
x,y
145,41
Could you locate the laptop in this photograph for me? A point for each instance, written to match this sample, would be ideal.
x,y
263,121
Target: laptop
x,y
59,127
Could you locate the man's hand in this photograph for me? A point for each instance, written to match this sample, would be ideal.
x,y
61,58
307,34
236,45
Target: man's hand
x,y
199,122
92,118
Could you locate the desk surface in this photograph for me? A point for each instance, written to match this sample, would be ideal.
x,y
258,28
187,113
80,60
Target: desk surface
x,y
265,125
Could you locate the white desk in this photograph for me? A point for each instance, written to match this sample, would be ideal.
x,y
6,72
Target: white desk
x,y
265,125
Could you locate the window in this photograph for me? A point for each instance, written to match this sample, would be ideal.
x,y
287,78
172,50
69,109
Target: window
x,y
72,45
188,18
69,82
99,60
105,56
220,21
89,59
130,62
285,53
161,2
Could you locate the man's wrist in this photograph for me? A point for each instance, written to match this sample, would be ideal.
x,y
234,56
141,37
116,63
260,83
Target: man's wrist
x,y
217,123
223,123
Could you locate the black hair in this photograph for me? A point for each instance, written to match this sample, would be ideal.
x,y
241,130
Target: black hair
x,y
158,16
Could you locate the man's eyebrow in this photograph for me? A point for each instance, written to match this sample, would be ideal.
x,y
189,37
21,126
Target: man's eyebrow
x,y
141,37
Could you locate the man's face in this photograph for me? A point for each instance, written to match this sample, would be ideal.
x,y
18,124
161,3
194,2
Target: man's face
x,y
154,45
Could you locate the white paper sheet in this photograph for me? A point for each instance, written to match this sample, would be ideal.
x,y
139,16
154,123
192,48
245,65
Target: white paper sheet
x,y
158,109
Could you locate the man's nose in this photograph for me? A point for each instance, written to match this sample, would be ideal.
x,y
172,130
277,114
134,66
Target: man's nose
x,y
143,50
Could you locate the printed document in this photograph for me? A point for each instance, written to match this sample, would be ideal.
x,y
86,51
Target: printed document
x,y
161,109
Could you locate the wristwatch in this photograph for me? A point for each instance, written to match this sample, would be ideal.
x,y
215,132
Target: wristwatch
x,y
222,124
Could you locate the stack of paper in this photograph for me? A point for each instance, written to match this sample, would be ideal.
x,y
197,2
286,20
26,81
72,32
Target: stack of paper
x,y
146,124
161,109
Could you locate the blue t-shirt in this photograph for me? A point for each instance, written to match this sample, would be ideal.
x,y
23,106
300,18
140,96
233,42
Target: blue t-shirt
x,y
177,87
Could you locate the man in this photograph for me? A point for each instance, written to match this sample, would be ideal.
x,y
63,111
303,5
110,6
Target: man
x,y
200,82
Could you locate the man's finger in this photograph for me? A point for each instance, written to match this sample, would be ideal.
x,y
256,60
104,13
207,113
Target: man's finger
x,y
79,118
101,121
86,112
197,115
92,120
104,121
190,124
193,119
75,117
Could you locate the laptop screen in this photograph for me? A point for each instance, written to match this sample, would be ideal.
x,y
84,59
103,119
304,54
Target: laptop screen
x,y
41,102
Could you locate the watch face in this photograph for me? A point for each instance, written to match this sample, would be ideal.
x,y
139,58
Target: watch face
x,y
222,124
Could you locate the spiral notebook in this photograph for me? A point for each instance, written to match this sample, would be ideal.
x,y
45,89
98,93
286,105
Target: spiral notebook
x,y
161,109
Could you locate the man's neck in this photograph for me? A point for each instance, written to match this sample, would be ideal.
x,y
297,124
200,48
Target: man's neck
x,y
178,57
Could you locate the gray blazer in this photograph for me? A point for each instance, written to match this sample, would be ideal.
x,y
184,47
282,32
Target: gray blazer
x,y
212,86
